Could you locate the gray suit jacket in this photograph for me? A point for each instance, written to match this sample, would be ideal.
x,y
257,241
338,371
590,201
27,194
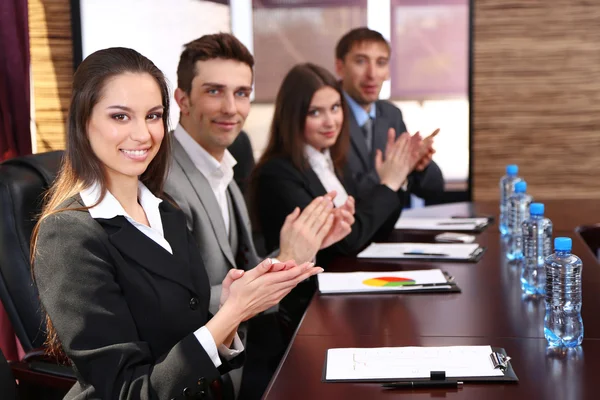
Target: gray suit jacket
x,y
192,192
426,184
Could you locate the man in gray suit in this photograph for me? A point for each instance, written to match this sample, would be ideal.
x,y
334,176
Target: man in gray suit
x,y
362,63
214,82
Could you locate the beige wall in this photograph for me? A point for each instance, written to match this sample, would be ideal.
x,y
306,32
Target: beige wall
x,y
537,96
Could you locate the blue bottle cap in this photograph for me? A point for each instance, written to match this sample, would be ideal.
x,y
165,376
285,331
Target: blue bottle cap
x,y
512,169
521,187
563,244
536,209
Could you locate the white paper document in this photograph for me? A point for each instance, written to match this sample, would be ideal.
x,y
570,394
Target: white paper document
x,y
373,282
409,362
440,224
441,251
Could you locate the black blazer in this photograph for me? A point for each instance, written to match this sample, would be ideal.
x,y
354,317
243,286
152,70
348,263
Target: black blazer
x,y
281,187
241,150
124,308
427,184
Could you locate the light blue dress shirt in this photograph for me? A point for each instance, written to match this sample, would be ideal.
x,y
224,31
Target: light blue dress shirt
x,y
359,113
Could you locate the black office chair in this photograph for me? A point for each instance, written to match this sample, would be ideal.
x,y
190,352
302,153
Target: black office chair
x,y
241,150
591,236
8,386
23,181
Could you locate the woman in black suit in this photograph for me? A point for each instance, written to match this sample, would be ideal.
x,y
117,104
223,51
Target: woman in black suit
x,y
118,273
305,158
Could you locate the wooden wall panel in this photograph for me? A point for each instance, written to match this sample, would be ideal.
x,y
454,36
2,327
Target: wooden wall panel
x,y
536,96
52,69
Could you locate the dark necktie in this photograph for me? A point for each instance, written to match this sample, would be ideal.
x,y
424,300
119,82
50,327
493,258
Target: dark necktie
x,y
367,129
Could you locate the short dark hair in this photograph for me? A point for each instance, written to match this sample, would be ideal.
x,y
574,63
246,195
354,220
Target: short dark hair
x,y
219,45
356,36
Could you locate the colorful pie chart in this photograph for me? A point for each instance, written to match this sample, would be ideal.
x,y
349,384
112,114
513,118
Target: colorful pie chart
x,y
388,281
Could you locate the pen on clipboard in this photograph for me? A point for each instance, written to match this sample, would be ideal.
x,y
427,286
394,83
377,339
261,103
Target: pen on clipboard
x,y
455,223
428,285
422,384
419,253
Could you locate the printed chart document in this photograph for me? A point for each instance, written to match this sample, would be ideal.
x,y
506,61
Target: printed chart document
x,y
441,251
353,364
441,224
373,282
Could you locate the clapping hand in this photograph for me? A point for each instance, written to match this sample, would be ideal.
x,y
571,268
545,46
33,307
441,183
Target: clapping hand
x,y
342,225
426,152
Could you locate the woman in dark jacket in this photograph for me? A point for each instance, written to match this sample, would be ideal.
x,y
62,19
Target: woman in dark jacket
x,y
118,273
305,158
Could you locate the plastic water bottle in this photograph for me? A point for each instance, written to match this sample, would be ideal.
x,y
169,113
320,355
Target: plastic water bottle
x,y
537,245
507,187
563,325
517,211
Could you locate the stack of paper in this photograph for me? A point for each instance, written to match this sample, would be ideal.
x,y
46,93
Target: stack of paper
x,y
441,224
441,251
373,282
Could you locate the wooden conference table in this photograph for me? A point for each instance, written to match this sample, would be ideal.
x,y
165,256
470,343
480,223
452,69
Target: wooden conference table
x,y
490,310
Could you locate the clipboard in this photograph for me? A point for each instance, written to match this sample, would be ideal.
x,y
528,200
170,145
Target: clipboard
x,y
498,358
449,224
491,219
449,286
383,249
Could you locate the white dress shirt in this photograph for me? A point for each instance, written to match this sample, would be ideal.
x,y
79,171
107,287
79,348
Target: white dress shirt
x,y
110,207
322,164
218,174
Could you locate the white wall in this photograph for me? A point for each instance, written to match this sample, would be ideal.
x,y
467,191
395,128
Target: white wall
x,y
156,28
452,143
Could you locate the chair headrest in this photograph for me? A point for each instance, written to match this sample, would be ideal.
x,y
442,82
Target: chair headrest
x,y
44,164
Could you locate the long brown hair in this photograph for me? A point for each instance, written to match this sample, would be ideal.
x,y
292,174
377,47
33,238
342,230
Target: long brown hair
x,y
81,168
289,120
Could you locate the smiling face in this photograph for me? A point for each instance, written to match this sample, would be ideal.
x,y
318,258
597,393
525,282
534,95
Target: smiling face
x,y
125,129
215,110
363,71
324,119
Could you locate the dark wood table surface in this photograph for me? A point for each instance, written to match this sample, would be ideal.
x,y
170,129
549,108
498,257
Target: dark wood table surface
x,y
491,309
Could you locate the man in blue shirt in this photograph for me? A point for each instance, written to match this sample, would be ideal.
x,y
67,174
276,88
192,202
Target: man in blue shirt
x,y
362,63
